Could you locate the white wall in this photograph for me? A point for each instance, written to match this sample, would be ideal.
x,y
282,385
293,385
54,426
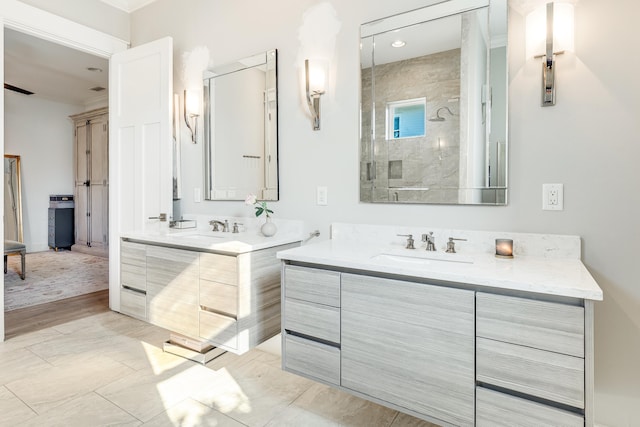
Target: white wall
x,y
41,133
589,141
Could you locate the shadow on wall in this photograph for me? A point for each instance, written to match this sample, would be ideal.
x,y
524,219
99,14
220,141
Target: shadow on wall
x,y
617,382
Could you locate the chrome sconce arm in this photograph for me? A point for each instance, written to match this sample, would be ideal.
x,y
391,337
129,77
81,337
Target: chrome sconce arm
x,y
191,119
313,98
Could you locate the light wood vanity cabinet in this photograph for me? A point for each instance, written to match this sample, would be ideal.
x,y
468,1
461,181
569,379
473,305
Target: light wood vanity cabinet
x,y
311,323
448,354
133,279
232,301
405,344
410,344
535,348
240,298
172,289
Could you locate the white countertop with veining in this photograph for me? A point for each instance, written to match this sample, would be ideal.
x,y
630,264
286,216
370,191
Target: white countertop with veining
x,y
562,276
249,238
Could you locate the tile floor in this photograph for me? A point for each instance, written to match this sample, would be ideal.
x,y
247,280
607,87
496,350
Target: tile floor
x,y
109,369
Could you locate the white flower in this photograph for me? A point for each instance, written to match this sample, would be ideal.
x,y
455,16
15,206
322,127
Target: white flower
x,y
251,199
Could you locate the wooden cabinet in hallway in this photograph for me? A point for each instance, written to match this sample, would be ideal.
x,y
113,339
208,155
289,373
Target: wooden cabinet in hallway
x,y
91,181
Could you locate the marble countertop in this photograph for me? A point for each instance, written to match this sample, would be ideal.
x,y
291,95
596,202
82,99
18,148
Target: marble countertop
x,y
553,276
219,242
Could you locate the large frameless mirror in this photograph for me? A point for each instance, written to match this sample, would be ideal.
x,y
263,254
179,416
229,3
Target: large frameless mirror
x,y
241,129
434,105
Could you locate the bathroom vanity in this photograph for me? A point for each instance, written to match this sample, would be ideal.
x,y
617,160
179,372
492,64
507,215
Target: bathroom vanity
x,y
219,288
456,339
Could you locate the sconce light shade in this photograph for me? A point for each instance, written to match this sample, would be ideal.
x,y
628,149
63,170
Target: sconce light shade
x,y
315,84
550,32
191,110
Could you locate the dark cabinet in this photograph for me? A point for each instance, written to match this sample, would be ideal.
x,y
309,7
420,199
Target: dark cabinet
x,y
60,228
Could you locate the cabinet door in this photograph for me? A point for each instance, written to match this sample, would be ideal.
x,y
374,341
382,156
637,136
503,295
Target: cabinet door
x,y
99,172
410,344
81,190
172,289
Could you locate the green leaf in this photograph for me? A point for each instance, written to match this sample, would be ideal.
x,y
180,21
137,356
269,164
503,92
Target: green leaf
x,y
259,211
269,211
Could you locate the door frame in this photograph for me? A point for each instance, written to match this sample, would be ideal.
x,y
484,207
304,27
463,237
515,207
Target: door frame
x,y
45,25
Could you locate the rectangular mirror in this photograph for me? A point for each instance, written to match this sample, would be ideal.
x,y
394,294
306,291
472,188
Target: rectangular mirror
x,y
241,129
434,105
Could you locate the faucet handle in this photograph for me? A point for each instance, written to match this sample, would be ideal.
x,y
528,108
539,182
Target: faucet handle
x,y
409,240
235,227
451,245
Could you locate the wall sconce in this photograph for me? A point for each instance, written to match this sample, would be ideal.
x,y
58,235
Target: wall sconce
x,y
550,29
316,80
191,110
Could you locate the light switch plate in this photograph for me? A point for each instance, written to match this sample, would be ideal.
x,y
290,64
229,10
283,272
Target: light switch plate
x,y
197,195
321,196
552,197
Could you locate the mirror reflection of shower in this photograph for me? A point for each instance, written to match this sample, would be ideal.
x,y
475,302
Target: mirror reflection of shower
x,y
438,117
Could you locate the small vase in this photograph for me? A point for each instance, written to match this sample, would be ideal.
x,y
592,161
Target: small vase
x,y
268,229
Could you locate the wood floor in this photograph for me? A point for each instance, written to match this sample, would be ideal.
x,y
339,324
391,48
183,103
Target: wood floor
x,y
37,317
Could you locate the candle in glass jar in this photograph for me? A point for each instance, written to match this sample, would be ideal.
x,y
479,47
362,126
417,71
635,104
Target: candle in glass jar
x,y
504,248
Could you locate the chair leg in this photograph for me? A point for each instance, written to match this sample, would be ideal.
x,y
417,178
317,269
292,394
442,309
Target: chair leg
x,y
22,261
5,264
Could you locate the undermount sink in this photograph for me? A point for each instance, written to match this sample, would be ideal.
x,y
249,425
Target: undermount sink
x,y
421,258
205,236
201,236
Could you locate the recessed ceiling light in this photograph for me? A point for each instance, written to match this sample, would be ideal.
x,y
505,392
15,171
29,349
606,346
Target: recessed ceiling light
x,y
94,69
398,43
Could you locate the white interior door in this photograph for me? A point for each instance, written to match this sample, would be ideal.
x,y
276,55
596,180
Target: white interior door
x,y
140,167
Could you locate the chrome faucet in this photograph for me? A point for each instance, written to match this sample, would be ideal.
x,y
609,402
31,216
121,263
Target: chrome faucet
x,y
431,244
215,223
451,245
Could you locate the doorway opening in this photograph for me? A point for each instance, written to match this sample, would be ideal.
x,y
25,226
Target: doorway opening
x,y
45,85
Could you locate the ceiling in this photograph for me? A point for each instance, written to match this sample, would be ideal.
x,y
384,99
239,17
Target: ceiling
x,y
52,71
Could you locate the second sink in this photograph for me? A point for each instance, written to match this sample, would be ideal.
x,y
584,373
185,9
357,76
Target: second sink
x,y
421,258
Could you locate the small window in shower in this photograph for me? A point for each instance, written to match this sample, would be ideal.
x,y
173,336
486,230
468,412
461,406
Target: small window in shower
x,y
406,119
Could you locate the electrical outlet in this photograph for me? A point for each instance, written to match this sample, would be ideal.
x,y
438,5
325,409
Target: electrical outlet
x,y
552,197
321,196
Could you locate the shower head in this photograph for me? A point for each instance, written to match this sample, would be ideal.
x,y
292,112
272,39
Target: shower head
x,y
439,118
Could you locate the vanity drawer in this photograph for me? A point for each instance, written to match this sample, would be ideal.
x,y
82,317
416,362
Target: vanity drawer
x,y
540,324
132,253
219,297
219,329
133,276
133,303
311,358
315,320
495,409
553,376
219,268
313,285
